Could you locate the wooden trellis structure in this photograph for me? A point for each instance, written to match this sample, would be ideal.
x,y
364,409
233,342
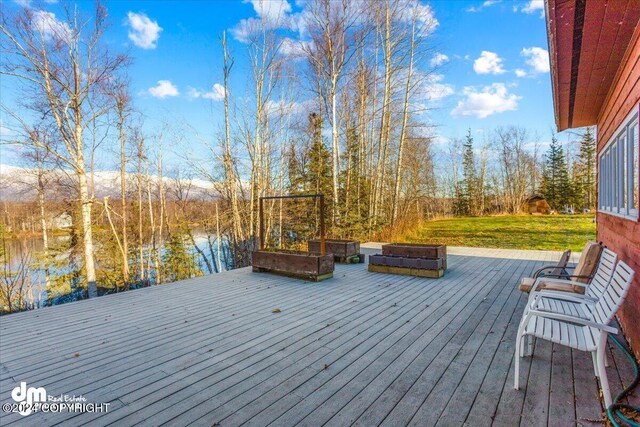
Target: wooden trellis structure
x,y
305,265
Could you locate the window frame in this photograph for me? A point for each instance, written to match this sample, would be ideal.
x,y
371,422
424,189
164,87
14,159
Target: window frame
x,y
616,170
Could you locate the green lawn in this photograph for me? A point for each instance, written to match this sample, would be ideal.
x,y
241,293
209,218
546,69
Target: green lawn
x,y
551,232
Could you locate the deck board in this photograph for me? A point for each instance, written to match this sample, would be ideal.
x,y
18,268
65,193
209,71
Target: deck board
x,y
362,348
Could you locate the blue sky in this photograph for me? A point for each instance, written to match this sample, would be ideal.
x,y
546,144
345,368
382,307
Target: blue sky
x,y
492,56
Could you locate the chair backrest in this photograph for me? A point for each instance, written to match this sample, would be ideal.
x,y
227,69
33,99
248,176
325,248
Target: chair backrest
x,y
603,274
614,295
562,264
588,262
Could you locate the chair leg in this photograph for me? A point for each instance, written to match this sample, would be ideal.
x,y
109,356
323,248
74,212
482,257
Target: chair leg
x,y
519,348
604,381
530,340
594,358
606,358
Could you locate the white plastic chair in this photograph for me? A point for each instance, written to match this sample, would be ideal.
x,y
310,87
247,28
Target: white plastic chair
x,y
575,304
593,290
579,333
571,303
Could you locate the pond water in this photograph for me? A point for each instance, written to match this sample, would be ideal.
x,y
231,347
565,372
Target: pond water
x,y
28,249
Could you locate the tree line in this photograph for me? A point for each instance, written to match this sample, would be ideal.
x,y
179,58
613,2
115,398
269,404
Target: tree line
x,y
503,173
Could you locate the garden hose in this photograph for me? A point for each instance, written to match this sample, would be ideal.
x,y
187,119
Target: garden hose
x,y
614,412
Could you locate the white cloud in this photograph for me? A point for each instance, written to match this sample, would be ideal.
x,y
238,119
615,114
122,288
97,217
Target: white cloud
x,y
293,48
28,3
164,89
435,89
286,108
50,27
216,93
532,7
271,10
537,59
486,101
439,140
486,3
439,59
429,90
426,18
271,14
407,9
244,29
278,14
488,63
520,72
144,32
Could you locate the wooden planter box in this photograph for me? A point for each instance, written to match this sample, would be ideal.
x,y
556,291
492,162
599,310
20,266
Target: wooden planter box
x,y
303,265
411,259
344,251
397,261
415,250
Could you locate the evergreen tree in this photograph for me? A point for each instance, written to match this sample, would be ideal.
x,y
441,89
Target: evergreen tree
x,y
460,205
556,185
586,172
319,178
354,188
177,261
309,172
294,171
469,197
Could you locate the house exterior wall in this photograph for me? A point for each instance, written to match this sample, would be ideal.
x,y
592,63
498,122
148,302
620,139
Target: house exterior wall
x,y
622,235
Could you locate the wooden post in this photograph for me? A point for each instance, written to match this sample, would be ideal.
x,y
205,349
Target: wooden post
x,y
322,235
261,225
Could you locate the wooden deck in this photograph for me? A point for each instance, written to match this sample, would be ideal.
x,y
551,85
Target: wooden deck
x,y
362,348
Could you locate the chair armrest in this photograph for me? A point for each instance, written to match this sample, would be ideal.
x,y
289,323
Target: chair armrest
x,y
536,284
565,296
567,275
571,319
561,281
541,269
569,296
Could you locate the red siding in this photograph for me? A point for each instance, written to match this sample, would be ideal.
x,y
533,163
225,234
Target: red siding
x,y
619,234
623,236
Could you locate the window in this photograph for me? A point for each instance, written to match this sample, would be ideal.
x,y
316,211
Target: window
x,y
618,171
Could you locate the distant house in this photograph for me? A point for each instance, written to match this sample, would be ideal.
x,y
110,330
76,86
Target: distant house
x,y
62,221
595,72
537,204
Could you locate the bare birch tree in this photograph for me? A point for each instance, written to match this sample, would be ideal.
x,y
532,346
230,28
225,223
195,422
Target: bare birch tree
x,y
63,63
229,170
121,101
514,162
405,118
330,24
